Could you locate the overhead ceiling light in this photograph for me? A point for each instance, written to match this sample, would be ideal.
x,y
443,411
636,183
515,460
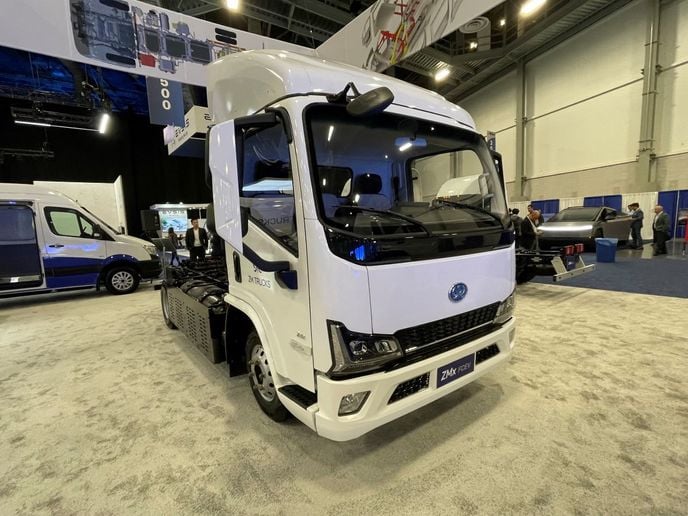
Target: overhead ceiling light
x,y
232,5
502,22
406,146
103,123
473,45
530,6
442,74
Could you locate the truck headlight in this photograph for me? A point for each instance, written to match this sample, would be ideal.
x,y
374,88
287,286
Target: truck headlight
x,y
359,352
506,309
151,249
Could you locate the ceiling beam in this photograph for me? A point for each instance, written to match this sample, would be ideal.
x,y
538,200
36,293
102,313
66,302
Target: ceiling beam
x,y
279,20
320,9
475,83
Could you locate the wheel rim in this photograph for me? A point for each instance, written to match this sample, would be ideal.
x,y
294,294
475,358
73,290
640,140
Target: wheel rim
x,y
122,280
259,372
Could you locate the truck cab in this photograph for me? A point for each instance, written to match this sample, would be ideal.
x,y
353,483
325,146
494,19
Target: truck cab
x,y
369,249
48,242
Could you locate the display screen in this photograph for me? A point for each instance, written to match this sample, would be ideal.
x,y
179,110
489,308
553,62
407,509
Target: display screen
x,y
175,219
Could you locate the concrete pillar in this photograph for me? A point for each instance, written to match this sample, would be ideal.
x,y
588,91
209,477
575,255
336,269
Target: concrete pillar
x,y
646,175
520,172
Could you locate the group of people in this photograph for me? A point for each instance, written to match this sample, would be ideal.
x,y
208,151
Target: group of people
x,y
195,240
661,228
526,229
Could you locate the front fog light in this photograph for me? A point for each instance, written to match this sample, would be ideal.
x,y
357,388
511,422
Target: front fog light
x,y
506,309
352,403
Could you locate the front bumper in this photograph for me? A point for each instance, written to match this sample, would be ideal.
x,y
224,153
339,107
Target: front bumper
x,y
378,410
150,269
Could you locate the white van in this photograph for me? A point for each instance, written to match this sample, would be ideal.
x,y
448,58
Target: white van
x,y
49,242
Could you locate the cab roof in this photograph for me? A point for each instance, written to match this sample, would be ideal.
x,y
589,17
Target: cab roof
x,y
242,83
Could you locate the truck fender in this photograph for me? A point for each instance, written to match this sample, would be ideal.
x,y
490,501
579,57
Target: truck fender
x,y
240,321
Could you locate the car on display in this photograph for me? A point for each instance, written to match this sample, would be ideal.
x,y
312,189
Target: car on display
x,y
583,224
49,242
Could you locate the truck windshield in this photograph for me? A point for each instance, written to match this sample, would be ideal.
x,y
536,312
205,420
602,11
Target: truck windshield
x,y
387,178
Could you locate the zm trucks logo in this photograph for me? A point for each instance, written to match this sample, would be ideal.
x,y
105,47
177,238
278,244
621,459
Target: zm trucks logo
x,y
458,292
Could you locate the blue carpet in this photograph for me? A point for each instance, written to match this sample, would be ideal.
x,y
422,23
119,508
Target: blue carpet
x,y
659,276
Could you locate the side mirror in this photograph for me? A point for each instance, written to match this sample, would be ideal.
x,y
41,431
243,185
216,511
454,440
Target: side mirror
x,y
371,102
97,232
610,215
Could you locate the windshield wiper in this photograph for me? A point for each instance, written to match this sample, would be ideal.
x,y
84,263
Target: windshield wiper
x,y
408,219
468,207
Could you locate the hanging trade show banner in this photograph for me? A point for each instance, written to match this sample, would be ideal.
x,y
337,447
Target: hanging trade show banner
x,y
189,140
130,36
165,102
390,30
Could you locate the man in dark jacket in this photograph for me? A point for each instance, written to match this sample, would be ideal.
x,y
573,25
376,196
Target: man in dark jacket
x,y
660,229
196,241
636,226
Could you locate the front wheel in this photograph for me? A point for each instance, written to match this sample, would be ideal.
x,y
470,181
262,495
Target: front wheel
x,y
261,381
165,302
121,280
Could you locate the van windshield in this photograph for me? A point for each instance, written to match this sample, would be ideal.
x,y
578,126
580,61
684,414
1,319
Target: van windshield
x,y
387,177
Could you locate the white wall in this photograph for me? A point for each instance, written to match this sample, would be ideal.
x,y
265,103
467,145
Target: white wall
x,y
102,199
672,83
583,103
494,109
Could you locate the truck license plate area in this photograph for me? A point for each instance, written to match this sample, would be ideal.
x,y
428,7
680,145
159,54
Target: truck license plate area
x,y
455,370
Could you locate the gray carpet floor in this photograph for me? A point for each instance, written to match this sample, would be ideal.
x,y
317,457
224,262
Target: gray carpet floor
x,y
103,410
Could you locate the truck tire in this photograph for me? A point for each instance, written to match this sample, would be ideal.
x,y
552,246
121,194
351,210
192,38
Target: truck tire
x,y
121,280
260,379
165,302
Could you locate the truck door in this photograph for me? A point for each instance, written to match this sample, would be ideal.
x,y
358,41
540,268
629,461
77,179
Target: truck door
x,y
252,160
20,266
73,257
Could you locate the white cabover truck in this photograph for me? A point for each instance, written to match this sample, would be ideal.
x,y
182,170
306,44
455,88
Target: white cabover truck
x,y
370,257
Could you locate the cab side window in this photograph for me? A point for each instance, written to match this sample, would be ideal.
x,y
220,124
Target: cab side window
x,y
267,186
69,223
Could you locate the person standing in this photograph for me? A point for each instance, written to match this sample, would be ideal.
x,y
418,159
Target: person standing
x,y
516,220
530,232
637,217
660,230
539,220
174,240
196,241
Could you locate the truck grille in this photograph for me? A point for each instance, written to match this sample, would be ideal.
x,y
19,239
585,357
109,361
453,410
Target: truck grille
x,y
409,387
418,337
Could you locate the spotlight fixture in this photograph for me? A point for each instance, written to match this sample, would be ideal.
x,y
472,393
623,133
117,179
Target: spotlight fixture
x,y
502,22
103,122
531,6
442,74
40,117
232,5
473,45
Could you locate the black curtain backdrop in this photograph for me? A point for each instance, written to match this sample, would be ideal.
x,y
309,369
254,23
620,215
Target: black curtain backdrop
x,y
132,148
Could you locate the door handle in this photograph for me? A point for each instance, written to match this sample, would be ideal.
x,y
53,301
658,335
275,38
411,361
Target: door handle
x,y
56,245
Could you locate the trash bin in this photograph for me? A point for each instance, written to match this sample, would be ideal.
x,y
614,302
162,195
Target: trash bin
x,y
605,249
